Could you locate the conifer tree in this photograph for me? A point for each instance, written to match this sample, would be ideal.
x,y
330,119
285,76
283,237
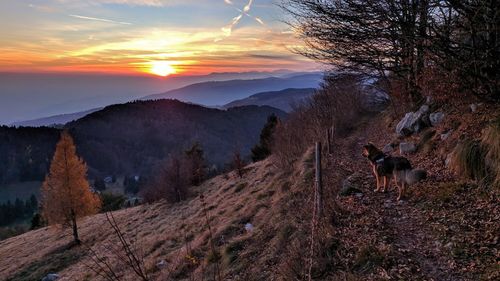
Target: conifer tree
x,y
263,149
66,194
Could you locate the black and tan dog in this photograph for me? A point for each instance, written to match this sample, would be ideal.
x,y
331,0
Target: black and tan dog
x,y
386,166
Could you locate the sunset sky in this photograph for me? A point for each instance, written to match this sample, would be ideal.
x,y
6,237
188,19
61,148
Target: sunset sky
x,y
146,36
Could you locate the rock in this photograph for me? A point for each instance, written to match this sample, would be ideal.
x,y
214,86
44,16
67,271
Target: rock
x,y
388,148
444,136
413,122
249,227
51,277
351,185
436,118
407,148
161,264
473,107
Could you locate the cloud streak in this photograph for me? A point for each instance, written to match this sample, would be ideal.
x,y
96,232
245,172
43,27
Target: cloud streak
x,y
99,19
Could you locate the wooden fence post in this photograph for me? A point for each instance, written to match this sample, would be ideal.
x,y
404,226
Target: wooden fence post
x,y
318,180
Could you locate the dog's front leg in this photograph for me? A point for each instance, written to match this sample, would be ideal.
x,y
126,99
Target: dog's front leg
x,y
377,178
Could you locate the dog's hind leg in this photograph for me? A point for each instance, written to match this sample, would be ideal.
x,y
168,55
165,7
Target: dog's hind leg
x,y
401,190
385,184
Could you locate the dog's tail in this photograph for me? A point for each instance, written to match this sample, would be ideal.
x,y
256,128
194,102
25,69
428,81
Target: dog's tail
x,y
415,175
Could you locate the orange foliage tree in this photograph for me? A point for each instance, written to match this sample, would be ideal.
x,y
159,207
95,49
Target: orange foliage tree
x,y
66,194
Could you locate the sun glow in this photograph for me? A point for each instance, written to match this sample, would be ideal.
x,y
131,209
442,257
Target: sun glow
x,y
162,68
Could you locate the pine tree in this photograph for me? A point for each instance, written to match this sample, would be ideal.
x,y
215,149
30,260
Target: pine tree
x,y
66,194
196,162
262,150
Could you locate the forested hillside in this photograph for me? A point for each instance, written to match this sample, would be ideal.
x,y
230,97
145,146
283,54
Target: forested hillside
x,y
132,138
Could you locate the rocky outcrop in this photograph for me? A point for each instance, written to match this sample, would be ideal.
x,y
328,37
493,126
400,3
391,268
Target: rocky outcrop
x,y
413,122
351,185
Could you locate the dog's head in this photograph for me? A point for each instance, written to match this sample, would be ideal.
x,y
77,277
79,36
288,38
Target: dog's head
x,y
369,149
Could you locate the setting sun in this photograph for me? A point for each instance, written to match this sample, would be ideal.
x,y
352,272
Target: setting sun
x,y
162,68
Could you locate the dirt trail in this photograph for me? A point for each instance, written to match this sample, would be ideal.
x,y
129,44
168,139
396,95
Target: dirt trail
x,y
414,249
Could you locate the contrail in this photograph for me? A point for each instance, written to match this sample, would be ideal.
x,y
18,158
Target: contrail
x,y
228,29
98,19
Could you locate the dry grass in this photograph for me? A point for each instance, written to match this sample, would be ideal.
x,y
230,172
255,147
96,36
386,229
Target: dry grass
x,y
491,140
159,230
468,159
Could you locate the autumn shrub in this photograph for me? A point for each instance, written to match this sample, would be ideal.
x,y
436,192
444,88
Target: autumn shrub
x,y
337,104
468,159
171,181
491,142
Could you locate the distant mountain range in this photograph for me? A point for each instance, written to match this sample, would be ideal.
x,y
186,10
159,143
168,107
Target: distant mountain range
x,y
56,120
28,96
283,99
218,93
132,138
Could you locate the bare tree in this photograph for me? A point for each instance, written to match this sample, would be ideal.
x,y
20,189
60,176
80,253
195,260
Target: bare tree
x,y
373,37
238,163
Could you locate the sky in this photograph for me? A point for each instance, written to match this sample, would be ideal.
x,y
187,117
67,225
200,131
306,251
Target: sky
x,y
158,37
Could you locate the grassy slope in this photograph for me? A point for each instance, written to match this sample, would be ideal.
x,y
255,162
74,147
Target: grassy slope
x,y
160,230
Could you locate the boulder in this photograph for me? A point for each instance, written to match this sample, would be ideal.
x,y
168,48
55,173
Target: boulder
x,y
413,122
436,118
351,185
407,148
51,277
388,148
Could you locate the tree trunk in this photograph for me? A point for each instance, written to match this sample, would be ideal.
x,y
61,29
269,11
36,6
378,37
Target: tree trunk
x,y
75,228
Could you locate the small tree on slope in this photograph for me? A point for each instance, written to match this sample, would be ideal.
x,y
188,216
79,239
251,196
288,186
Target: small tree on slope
x,y
262,150
66,194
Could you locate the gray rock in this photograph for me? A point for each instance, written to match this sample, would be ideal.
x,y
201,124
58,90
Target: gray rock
x,y
51,277
407,148
161,264
436,118
473,107
413,122
351,185
388,148
446,135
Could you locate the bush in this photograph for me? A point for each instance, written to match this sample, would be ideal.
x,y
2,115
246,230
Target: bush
x,y
112,202
171,182
491,141
468,158
338,104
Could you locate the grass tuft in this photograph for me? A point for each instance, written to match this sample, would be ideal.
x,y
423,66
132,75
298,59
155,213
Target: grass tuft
x,y
468,158
491,140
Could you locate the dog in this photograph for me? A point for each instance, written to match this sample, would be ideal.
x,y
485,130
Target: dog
x,y
387,166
